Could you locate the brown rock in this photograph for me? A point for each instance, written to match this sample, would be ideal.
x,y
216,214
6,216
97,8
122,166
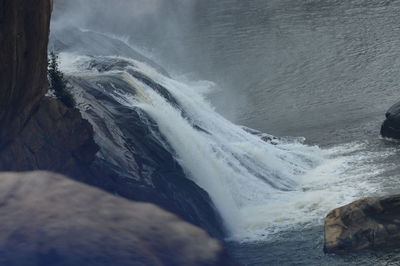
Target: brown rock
x,y
366,223
35,132
54,138
47,219
24,31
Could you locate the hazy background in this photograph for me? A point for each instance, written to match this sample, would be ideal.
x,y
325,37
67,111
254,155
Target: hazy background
x,y
200,39
309,68
323,69
158,27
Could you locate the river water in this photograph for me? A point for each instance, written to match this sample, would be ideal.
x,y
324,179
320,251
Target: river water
x,y
324,70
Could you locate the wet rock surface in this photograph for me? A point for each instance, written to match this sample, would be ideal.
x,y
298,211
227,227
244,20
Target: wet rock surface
x,y
48,219
363,224
134,160
391,126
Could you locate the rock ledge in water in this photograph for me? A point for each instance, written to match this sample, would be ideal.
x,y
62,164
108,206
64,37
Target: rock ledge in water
x,y
363,224
391,126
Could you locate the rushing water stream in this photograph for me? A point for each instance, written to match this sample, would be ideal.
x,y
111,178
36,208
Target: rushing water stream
x,y
323,70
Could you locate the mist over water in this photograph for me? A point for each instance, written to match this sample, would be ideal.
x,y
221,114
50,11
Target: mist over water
x,y
259,187
324,70
157,27
265,55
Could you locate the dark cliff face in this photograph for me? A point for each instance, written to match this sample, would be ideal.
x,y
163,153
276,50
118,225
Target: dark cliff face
x,y
24,31
36,132
54,138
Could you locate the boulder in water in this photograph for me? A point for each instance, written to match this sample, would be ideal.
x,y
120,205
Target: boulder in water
x,y
391,126
363,224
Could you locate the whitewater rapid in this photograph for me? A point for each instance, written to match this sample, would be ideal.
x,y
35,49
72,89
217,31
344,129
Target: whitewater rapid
x,y
259,187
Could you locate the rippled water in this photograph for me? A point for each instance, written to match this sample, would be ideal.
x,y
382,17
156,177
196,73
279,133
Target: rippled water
x,y
302,67
326,70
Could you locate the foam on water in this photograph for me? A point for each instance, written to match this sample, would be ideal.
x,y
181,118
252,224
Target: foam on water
x,y
259,188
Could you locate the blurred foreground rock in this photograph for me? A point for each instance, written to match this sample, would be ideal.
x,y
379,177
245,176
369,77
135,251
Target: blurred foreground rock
x,y
366,223
48,219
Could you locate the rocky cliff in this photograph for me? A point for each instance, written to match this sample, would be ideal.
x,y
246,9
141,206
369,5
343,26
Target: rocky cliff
x,y
35,132
40,133
24,31
43,134
49,219
54,138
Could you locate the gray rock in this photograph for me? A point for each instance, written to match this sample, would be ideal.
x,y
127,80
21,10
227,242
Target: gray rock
x,y
391,126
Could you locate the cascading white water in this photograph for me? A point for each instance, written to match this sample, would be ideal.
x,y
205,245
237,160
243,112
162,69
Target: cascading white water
x,y
258,187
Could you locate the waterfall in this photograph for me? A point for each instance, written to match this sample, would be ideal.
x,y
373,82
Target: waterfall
x,y
260,185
